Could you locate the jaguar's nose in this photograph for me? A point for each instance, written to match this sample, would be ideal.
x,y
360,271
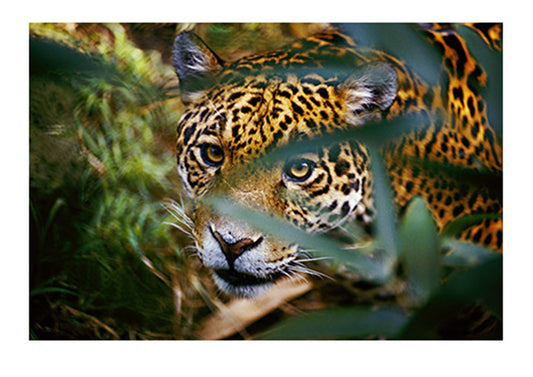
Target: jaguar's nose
x,y
233,250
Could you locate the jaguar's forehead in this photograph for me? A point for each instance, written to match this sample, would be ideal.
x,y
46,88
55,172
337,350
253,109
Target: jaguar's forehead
x,y
264,101
262,111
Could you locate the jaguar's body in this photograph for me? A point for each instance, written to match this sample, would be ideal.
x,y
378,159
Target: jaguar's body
x,y
238,111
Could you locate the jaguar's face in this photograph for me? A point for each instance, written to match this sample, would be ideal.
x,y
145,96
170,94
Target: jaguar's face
x,y
228,127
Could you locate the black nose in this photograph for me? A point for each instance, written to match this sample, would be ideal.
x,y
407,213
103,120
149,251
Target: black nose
x,y
233,250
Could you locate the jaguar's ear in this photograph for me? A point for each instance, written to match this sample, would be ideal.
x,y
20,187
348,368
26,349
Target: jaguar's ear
x,y
195,64
369,91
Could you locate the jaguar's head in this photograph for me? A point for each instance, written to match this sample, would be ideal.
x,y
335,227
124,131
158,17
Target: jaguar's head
x,y
236,112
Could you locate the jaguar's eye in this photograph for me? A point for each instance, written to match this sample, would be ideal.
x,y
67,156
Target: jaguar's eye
x,y
299,170
212,154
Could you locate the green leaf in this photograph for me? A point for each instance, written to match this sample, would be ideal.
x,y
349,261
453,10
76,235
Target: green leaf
x,y
377,134
385,221
43,290
465,254
480,285
420,250
57,204
405,41
341,323
457,226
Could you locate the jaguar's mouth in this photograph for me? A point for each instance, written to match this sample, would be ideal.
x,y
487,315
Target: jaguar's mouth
x,y
240,279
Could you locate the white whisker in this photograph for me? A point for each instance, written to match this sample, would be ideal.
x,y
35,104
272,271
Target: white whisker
x,y
286,273
190,249
183,222
311,272
302,260
174,225
297,276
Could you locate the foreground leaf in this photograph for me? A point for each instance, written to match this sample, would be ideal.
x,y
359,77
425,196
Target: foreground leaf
x,y
420,250
342,323
465,254
456,227
481,285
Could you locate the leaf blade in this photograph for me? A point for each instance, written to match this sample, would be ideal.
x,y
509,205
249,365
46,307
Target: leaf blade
x,y
341,323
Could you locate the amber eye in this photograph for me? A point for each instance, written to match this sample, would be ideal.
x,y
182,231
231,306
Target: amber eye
x,y
212,154
299,170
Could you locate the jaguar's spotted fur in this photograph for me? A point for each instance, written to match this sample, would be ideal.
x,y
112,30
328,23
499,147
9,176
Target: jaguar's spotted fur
x,y
237,111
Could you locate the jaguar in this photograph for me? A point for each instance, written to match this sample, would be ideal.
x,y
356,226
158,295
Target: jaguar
x,y
237,112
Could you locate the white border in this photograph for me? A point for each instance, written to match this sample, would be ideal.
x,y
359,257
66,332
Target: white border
x,y
280,358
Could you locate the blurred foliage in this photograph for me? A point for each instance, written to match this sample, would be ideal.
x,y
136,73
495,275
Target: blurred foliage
x,y
403,40
106,264
102,160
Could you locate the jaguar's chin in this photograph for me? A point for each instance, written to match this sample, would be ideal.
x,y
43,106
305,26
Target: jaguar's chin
x,y
240,284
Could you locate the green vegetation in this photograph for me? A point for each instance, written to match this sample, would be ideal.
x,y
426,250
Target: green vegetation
x,y
427,306
102,162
